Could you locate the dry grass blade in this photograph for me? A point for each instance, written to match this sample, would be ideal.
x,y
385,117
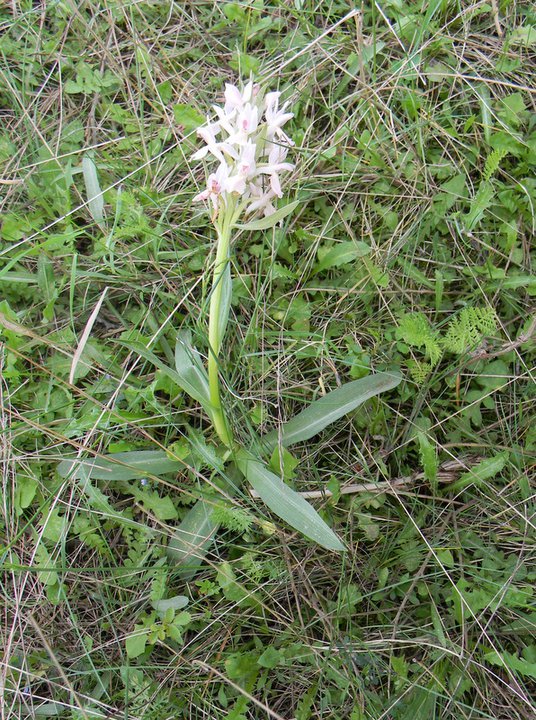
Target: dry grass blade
x,y
85,336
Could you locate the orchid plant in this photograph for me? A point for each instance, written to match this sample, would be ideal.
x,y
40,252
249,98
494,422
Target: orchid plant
x,y
247,140
247,147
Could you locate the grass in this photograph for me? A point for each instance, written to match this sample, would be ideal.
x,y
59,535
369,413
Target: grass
x,y
411,249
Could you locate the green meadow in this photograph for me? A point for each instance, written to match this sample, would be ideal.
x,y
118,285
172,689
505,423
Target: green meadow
x,y
352,536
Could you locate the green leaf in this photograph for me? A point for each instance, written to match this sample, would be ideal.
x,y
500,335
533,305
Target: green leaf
x,y
192,538
465,331
232,589
480,203
165,91
512,662
286,503
333,406
523,35
95,200
189,375
485,470
26,489
187,116
225,301
174,632
244,64
283,462
429,460
55,526
192,375
135,643
121,466
72,87
493,163
512,109
342,254
161,507
445,557
304,709
47,573
271,220
204,454
53,709
484,97
182,619
175,603
242,668
270,658
415,330
427,450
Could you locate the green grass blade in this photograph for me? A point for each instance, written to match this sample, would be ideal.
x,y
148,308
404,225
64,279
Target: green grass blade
x,y
333,406
287,504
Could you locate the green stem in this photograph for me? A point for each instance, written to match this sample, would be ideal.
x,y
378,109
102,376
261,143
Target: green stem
x,y
214,339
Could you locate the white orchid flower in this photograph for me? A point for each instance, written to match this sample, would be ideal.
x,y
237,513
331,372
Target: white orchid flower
x,y
234,99
276,165
276,117
208,132
217,186
248,141
245,169
262,200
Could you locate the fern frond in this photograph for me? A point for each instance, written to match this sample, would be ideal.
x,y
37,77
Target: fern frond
x,y
140,547
147,701
232,518
260,569
159,584
90,534
415,330
466,331
493,162
419,371
254,568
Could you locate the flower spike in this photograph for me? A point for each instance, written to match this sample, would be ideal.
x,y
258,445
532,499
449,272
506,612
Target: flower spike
x,y
248,142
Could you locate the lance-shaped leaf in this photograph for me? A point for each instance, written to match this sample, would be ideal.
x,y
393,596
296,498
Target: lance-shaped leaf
x,y
341,254
287,504
225,301
271,220
188,375
190,369
329,408
121,466
192,539
194,536
174,603
481,472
